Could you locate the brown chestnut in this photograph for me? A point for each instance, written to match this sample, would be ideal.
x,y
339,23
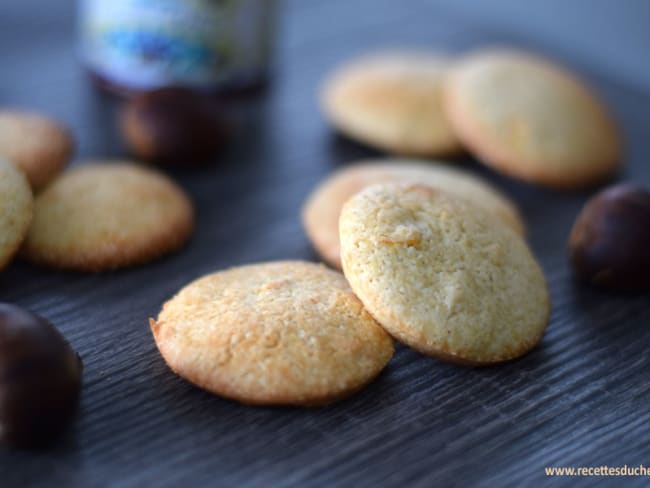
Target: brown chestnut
x,y
610,241
40,379
174,126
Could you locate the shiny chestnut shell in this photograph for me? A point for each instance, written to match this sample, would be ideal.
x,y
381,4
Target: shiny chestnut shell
x,y
174,126
610,241
40,379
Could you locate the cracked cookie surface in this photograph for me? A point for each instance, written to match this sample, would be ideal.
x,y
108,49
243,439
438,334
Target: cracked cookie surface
x,y
279,333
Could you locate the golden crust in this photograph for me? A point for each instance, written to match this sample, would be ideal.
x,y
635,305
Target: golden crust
x,y
108,215
320,214
16,209
392,101
37,145
281,333
442,275
531,119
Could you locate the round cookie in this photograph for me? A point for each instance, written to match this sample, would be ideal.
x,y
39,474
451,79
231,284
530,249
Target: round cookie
x,y
442,275
321,211
280,333
37,145
102,216
392,101
531,119
16,206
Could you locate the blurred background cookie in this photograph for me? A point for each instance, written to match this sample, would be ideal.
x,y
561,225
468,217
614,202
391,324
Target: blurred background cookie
x,y
320,214
16,206
106,215
282,333
38,145
530,119
442,275
391,101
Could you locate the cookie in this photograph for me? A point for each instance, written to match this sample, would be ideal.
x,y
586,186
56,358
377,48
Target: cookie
x,y
532,120
16,206
280,333
392,101
321,211
37,145
442,275
108,215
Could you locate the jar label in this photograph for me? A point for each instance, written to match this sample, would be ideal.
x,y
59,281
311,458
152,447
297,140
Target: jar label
x,y
150,43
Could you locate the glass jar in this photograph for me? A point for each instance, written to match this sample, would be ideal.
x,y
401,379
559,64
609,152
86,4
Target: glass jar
x,y
135,45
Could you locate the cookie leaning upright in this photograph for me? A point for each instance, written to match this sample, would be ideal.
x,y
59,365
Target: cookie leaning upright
x,y
38,145
281,333
391,101
531,119
442,275
108,215
16,207
320,215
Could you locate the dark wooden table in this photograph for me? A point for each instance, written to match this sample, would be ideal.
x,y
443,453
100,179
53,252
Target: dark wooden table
x,y
580,399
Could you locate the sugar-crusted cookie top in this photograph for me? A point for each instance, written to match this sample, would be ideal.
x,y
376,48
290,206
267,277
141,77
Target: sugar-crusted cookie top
x,y
323,207
441,274
16,206
107,215
531,118
391,100
276,333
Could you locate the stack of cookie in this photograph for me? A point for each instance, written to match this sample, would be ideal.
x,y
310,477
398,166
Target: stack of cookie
x,y
435,254
517,113
99,216
431,255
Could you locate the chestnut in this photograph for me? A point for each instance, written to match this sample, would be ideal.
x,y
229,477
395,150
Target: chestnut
x,y
610,241
174,126
40,379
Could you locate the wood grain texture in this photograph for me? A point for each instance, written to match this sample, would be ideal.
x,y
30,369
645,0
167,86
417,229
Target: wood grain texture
x,y
581,398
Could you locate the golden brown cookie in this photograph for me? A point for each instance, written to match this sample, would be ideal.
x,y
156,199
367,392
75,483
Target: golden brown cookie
x,y
442,275
530,119
392,101
108,215
320,215
281,333
16,206
37,145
